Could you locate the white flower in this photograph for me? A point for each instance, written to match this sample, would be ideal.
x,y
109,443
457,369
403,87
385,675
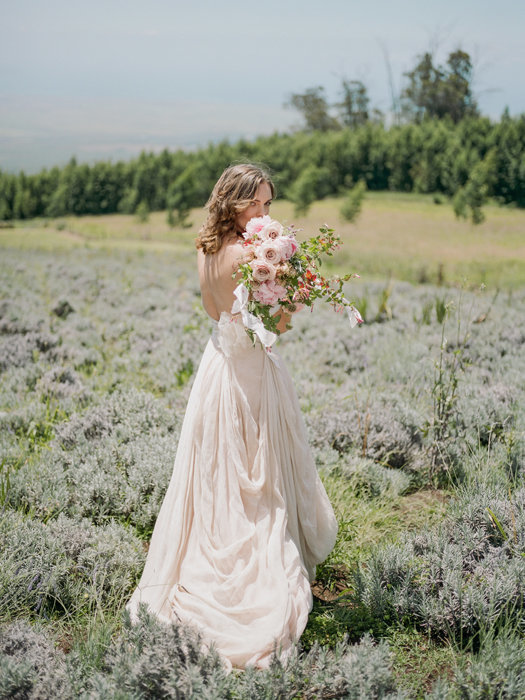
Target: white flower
x,y
271,230
354,316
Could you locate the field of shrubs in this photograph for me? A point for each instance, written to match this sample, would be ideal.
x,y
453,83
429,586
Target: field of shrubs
x,y
417,424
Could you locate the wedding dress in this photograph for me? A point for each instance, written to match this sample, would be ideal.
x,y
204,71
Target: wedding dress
x,y
245,518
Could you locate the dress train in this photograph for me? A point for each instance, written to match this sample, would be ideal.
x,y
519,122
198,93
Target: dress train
x,y
245,518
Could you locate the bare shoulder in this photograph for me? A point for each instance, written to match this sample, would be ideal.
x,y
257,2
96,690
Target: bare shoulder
x,y
233,250
222,265
231,255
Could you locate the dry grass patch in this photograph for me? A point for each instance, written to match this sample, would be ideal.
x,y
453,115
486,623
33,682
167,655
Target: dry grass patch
x,y
412,238
406,236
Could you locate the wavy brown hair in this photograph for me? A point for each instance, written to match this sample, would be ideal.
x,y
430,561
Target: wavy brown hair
x,y
232,194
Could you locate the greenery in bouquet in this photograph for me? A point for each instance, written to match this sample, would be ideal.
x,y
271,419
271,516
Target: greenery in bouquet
x,y
280,273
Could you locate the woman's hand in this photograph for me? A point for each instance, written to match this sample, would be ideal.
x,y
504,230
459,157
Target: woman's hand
x,y
284,322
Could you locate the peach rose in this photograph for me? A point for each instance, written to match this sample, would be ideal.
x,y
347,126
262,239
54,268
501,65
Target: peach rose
x,y
269,251
269,293
248,253
271,230
262,271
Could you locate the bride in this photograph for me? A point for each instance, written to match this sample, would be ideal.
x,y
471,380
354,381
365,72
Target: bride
x,y
245,518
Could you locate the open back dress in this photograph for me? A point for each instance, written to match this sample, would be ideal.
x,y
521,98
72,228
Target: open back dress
x,y
245,518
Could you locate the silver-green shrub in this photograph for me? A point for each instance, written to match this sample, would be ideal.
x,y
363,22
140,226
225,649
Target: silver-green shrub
x,y
497,670
386,429
30,666
113,460
357,671
65,566
460,581
372,480
152,660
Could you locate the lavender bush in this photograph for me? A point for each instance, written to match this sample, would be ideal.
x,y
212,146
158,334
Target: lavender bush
x,y
97,356
112,460
152,660
30,666
65,566
459,581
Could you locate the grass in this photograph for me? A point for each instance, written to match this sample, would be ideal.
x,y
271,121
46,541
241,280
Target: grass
x,y
363,523
414,239
406,235
419,661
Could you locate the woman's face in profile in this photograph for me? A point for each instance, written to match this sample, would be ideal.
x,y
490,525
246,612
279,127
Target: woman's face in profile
x,y
259,206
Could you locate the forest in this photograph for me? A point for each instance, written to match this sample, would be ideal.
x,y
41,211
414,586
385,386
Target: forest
x,y
438,143
436,156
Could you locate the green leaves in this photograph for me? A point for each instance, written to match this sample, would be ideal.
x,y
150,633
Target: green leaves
x,y
300,277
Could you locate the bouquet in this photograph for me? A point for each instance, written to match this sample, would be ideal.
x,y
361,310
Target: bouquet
x,y
279,273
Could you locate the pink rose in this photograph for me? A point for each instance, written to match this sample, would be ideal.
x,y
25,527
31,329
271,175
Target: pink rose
x,y
248,252
269,251
288,246
262,270
269,293
256,225
271,230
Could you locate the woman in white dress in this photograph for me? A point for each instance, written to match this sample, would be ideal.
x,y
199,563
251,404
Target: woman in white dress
x,y
245,518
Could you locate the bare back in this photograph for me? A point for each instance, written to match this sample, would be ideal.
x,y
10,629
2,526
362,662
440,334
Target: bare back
x,y
215,277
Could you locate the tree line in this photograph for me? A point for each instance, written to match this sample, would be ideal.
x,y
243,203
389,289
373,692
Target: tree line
x,y
434,156
438,143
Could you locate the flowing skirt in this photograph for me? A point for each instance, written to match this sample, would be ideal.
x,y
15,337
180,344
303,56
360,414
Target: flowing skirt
x,y
245,518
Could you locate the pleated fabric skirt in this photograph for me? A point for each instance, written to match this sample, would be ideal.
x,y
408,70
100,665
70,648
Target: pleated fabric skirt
x,y
245,518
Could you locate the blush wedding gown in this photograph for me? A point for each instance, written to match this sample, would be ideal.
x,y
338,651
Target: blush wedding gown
x,y
245,518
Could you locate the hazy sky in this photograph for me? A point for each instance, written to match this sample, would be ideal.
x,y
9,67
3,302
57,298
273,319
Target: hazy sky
x,y
106,78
